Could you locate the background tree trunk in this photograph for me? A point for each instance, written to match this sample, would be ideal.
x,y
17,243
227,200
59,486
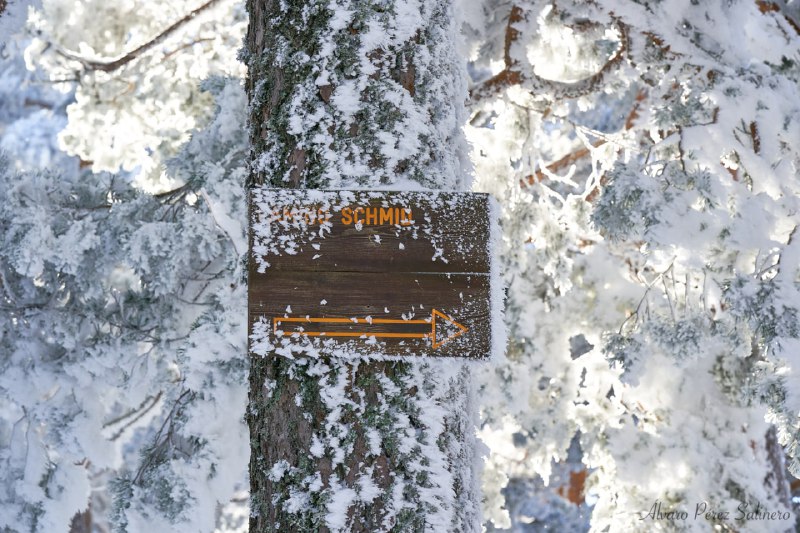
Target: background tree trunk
x,y
81,522
366,95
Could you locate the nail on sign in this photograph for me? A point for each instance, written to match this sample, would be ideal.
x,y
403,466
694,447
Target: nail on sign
x,y
372,274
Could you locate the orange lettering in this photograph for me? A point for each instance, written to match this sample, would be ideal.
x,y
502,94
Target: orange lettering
x,y
355,214
372,214
387,216
347,216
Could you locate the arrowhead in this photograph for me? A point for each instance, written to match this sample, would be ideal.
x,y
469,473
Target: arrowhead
x,y
445,330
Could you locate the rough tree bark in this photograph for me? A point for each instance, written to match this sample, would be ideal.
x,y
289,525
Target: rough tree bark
x,y
355,93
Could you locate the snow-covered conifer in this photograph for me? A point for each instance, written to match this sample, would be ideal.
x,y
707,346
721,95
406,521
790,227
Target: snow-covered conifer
x,y
122,334
646,154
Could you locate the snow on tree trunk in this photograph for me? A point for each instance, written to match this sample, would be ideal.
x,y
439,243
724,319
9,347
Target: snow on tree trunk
x,y
356,94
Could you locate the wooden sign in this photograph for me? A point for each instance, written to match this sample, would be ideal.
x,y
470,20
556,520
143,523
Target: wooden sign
x,y
372,274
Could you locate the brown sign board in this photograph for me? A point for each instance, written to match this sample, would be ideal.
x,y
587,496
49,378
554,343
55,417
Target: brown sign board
x,y
372,274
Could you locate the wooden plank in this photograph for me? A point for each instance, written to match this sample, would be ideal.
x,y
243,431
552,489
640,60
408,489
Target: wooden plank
x,y
390,313
398,231
370,274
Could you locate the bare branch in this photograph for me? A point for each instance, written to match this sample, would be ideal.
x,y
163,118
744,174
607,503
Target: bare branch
x,y
512,34
110,65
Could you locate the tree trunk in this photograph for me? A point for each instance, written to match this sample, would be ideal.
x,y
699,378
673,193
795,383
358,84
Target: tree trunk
x,y
777,480
366,94
81,522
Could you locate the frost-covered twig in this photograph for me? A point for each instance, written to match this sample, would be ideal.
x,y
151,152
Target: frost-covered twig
x,y
648,286
538,86
158,443
789,241
145,407
580,153
226,224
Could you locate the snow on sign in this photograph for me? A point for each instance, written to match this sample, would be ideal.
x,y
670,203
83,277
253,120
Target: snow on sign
x,y
372,274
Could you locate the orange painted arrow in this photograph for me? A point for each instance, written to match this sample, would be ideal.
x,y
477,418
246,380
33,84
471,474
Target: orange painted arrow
x,y
276,321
